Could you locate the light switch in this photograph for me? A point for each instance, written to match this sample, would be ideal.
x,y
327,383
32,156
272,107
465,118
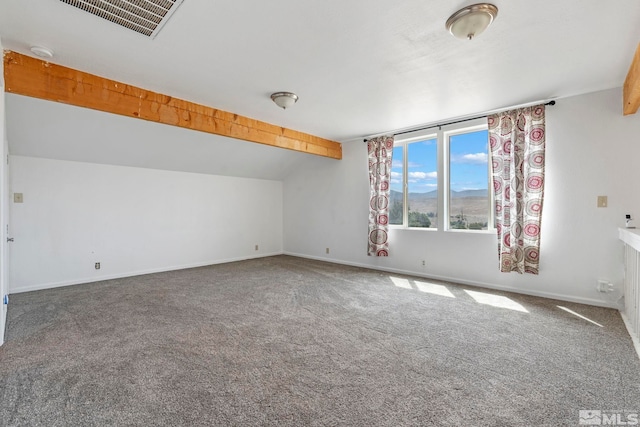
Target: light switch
x,y
17,197
602,201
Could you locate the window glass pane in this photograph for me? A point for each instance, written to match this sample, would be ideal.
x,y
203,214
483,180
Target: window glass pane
x,y
422,183
469,181
396,202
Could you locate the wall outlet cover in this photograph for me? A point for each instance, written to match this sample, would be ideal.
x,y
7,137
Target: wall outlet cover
x,y
604,286
602,201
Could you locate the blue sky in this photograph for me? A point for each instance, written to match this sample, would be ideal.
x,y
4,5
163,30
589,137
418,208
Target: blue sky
x,y
468,154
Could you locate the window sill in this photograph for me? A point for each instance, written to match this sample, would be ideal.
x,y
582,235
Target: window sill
x,y
453,230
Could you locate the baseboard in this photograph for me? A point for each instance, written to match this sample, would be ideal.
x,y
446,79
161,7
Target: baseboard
x,y
81,281
627,323
549,295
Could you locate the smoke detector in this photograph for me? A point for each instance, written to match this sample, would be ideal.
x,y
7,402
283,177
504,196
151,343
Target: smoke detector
x,y
42,52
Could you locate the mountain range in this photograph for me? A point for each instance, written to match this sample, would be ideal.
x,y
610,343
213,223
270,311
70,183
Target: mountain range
x,y
397,195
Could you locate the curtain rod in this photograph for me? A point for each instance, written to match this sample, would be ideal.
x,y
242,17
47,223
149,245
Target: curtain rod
x,y
439,125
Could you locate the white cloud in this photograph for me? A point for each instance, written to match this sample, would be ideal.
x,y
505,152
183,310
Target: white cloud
x,y
423,175
396,175
472,158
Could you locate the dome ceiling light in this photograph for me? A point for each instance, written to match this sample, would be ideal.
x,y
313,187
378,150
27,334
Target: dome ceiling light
x,y
284,100
471,20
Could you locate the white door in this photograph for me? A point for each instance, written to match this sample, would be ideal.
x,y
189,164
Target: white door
x,y
4,208
4,235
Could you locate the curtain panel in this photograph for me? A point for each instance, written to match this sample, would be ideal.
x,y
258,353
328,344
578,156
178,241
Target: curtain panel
x,y
380,158
517,149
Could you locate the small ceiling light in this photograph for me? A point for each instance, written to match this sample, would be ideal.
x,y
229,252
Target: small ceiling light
x,y
472,20
284,100
42,52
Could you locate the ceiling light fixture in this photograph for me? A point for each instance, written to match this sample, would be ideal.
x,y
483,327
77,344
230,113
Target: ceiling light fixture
x,y
42,52
472,20
284,100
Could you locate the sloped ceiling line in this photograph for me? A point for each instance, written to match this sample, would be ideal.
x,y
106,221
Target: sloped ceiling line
x,y
39,79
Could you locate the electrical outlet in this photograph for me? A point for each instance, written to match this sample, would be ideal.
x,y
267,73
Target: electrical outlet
x,y
97,266
423,263
17,198
256,247
602,201
604,286
327,250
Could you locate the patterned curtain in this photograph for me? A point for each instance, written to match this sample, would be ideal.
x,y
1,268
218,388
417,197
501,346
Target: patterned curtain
x,y
517,145
380,154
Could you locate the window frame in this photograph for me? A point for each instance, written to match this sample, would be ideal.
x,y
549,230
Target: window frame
x,y
442,136
404,142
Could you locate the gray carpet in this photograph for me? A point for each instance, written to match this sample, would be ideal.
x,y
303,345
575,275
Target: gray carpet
x,y
292,342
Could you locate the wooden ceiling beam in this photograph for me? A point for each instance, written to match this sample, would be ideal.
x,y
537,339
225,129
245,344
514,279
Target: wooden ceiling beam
x,y
631,88
32,77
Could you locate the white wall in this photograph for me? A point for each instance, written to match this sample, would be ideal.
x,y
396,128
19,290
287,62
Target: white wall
x,y
136,220
132,221
4,202
591,150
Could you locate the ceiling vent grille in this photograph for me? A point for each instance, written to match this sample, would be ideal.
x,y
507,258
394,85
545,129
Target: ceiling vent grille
x,y
143,16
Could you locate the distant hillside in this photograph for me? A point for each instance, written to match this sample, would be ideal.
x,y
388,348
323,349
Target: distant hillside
x,y
397,195
470,193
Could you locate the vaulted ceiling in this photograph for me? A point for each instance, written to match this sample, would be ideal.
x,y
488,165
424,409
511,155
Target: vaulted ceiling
x,y
359,67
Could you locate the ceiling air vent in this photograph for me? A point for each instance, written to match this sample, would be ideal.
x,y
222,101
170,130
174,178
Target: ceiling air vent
x,y
143,16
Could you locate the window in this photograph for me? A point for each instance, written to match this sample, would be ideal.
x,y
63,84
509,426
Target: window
x,y
447,172
419,177
396,197
469,195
